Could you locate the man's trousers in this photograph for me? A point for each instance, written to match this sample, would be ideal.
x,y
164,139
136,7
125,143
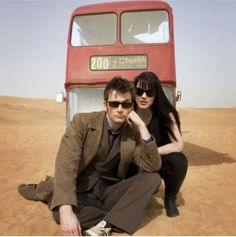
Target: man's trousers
x,y
121,204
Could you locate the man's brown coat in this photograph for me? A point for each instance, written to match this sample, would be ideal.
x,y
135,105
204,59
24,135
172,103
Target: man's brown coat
x,y
79,147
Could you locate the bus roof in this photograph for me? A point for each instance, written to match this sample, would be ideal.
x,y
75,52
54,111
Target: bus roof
x,y
121,6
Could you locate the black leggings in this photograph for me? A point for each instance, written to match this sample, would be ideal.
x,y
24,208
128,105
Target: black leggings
x,y
173,172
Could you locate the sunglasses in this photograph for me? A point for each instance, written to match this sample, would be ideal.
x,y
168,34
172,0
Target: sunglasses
x,y
149,93
116,104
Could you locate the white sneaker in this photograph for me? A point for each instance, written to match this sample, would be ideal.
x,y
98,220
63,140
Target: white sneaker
x,y
98,230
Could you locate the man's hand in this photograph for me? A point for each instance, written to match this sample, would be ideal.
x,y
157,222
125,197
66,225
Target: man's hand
x,y
134,119
69,222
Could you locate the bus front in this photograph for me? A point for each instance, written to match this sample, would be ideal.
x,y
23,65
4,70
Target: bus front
x,y
117,39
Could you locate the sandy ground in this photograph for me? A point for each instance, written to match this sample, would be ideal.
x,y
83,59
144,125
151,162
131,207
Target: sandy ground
x,y
30,132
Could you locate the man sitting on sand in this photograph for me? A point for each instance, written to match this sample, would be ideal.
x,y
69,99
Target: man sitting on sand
x,y
90,193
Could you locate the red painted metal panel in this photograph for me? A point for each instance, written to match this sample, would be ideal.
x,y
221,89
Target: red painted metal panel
x,y
161,58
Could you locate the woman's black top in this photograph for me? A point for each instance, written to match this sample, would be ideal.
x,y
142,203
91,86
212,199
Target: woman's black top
x,y
160,134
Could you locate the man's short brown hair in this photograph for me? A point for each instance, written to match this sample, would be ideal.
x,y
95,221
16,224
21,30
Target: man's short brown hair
x,y
119,84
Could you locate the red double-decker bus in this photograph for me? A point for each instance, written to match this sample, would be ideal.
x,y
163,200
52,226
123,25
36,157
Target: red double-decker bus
x,y
117,39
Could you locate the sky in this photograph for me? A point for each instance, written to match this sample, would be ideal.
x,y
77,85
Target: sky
x,y
33,36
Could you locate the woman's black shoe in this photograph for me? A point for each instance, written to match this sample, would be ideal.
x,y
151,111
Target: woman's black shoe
x,y
170,206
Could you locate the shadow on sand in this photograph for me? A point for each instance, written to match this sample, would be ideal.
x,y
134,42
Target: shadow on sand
x,y
201,156
197,156
153,210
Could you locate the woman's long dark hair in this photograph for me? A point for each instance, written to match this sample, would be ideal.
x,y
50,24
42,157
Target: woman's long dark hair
x,y
161,106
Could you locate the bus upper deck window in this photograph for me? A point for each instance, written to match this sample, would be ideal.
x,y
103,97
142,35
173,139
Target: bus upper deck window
x,y
96,29
145,27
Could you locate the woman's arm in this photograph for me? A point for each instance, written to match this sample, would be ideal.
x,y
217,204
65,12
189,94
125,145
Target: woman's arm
x,y
175,145
146,154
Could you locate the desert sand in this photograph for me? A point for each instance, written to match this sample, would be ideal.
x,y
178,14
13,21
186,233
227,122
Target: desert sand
x,y
30,133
